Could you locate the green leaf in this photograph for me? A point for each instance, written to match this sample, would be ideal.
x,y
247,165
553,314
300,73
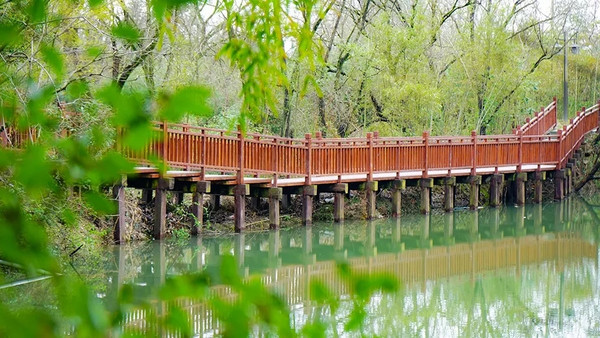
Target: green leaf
x,y
11,34
33,171
186,100
95,3
99,202
126,31
37,10
94,51
54,59
77,89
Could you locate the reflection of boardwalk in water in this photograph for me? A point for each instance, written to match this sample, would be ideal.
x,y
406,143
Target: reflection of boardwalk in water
x,y
288,261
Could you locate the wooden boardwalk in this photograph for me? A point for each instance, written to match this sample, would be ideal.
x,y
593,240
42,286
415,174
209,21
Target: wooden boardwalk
x,y
219,162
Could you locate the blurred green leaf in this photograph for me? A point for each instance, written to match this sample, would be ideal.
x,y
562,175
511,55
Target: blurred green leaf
x,y
37,10
126,31
99,202
11,34
54,59
33,172
191,100
77,89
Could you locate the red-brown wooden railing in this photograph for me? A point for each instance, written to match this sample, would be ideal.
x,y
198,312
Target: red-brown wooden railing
x,y
196,148
541,123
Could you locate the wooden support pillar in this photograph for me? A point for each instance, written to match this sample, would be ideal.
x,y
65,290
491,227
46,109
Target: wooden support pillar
x,y
371,187
178,197
274,198
308,193
239,212
146,196
475,182
160,207
520,179
426,184
198,205
539,176
397,187
285,202
449,183
496,182
215,202
120,227
559,184
255,203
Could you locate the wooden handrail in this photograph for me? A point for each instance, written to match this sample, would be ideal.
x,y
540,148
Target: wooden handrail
x,y
205,149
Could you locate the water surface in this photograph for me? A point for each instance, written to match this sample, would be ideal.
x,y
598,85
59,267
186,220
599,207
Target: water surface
x,y
511,271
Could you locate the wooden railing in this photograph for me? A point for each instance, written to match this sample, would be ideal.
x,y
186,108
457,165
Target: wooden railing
x,y
204,149
541,123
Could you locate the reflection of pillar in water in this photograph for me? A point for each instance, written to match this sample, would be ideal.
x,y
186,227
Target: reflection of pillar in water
x,y
397,232
474,225
519,243
371,249
307,240
274,245
424,235
448,227
520,221
558,215
197,251
495,222
537,218
561,303
239,248
338,237
159,263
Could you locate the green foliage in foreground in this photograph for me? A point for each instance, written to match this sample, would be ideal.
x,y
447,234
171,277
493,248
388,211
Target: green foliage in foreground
x,y
49,173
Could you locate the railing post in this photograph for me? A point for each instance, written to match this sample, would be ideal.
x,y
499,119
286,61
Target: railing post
x,y
339,162
308,178
426,154
370,164
203,155
165,144
240,173
398,161
275,162
520,165
474,140
560,146
188,147
555,110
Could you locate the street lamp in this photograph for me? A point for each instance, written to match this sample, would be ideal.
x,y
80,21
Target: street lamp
x,y
574,50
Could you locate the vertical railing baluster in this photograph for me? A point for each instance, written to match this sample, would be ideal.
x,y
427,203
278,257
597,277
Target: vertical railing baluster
x,y
474,141
165,144
370,167
308,140
240,173
520,164
426,154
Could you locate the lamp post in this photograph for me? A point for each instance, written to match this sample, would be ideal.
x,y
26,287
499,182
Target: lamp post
x,y
574,50
565,84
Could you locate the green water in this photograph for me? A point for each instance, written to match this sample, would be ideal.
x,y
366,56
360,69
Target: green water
x,y
512,271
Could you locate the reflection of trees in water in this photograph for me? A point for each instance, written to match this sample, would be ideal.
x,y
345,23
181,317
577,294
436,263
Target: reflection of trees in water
x,y
499,304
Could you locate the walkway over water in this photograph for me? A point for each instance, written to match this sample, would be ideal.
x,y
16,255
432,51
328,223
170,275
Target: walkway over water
x,y
220,162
